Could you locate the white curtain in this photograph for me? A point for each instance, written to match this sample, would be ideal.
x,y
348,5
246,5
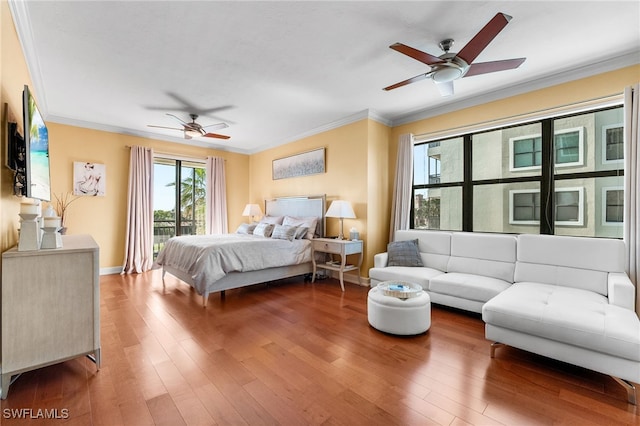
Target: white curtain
x,y
139,239
401,203
632,186
216,203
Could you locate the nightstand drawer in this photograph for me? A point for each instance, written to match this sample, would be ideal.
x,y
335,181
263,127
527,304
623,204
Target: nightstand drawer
x,y
327,247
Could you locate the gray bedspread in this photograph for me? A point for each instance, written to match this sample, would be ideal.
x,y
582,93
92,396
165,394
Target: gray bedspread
x,y
207,258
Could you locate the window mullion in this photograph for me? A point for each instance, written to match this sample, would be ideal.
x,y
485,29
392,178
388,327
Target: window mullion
x,y
547,187
467,186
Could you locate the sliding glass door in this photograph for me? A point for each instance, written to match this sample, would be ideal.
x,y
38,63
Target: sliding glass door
x,y
179,186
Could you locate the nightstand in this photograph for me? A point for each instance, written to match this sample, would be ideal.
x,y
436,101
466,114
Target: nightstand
x,y
340,247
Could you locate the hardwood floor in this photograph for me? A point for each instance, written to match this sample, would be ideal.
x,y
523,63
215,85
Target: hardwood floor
x,y
295,353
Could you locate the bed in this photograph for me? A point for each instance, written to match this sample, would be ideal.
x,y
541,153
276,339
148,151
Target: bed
x,y
215,263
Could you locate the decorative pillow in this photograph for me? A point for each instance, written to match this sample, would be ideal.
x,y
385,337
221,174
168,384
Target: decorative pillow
x,y
263,229
404,253
301,232
284,232
310,222
275,220
246,228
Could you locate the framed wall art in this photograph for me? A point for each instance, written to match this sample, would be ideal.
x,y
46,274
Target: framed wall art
x,y
303,164
89,179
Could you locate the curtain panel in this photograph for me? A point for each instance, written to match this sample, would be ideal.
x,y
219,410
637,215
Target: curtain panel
x,y
216,197
139,238
401,202
632,186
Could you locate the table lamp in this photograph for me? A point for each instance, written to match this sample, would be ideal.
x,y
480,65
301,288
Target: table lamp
x,y
252,210
341,209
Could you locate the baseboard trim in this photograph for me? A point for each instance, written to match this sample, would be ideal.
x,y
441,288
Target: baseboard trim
x,y
111,270
352,278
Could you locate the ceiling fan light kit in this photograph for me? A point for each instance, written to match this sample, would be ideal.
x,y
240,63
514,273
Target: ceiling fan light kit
x,y
451,66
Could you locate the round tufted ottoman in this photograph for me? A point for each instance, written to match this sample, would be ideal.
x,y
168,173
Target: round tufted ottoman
x,y
393,315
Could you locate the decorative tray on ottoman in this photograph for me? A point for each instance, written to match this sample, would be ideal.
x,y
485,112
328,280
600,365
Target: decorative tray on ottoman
x,y
400,289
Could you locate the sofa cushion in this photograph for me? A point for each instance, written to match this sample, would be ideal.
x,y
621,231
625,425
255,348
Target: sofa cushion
x,y
419,276
434,246
573,316
467,286
578,262
490,255
404,253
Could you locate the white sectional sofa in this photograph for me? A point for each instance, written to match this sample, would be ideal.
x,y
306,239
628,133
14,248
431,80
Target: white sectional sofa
x,y
566,298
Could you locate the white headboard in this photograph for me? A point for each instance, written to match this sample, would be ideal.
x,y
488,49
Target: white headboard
x,y
312,205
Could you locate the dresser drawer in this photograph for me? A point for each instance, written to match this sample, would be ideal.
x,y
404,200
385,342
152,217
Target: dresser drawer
x,y
327,247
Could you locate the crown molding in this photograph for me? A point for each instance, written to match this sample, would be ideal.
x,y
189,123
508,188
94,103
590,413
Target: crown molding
x,y
22,23
609,64
204,143
353,118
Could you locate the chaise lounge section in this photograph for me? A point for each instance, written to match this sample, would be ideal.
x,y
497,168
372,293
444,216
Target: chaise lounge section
x,y
567,298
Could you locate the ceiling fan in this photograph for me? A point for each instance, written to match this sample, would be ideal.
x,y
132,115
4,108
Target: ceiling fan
x,y
451,66
194,130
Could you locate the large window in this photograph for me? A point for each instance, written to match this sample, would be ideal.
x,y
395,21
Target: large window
x,y
178,199
496,180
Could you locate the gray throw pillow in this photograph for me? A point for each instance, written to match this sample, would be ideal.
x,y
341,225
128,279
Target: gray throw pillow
x,y
284,232
404,253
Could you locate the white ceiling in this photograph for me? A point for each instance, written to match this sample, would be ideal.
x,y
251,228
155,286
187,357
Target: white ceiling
x,y
281,70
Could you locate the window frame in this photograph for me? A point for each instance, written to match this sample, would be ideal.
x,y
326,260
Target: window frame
x,y
548,175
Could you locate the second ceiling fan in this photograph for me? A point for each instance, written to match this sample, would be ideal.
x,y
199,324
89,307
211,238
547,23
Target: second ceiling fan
x,y
194,130
451,66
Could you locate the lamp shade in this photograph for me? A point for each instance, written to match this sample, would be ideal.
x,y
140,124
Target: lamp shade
x,y
252,210
341,209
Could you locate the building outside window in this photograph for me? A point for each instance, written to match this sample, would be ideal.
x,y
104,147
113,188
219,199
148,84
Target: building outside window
x,y
613,137
613,206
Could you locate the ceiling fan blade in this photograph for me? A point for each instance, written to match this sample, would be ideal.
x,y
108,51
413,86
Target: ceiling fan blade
x,y
481,40
408,81
487,67
416,54
163,127
445,89
216,126
177,118
217,136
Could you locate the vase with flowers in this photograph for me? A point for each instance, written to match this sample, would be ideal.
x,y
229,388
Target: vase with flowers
x,y
62,203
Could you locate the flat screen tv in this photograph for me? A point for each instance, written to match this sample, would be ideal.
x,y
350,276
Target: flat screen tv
x,y
36,138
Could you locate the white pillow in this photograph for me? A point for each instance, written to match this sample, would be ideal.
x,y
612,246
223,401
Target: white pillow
x,y
276,220
310,222
263,230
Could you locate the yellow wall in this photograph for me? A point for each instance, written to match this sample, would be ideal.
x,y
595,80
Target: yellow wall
x,y
350,153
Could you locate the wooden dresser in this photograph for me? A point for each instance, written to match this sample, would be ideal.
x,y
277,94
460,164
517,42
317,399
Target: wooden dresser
x,y
50,303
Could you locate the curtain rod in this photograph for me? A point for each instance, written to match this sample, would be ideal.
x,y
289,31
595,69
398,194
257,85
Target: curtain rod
x,y
173,156
575,107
